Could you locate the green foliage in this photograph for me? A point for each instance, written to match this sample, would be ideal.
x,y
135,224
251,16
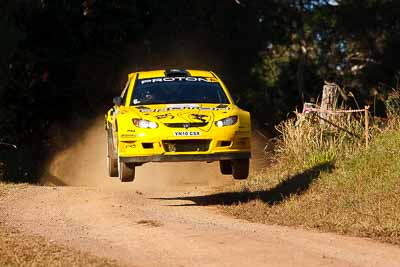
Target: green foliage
x,y
269,70
320,158
350,43
393,104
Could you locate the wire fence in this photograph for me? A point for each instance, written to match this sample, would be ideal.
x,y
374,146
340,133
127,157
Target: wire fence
x,y
313,108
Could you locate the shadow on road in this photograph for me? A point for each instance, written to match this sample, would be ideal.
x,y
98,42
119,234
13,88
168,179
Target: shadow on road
x,y
294,185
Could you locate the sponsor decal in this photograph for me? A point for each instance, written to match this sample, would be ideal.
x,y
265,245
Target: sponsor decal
x,y
178,79
165,116
200,117
183,106
128,135
186,133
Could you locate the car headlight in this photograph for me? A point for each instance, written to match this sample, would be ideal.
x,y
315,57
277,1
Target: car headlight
x,y
145,124
227,121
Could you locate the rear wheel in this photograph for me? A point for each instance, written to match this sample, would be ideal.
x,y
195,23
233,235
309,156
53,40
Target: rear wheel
x,y
225,166
240,169
112,161
126,171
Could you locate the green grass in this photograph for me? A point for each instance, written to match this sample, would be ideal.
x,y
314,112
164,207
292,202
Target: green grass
x,y
345,188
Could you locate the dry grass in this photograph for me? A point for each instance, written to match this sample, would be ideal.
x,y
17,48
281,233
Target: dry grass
x,y
307,141
331,183
17,249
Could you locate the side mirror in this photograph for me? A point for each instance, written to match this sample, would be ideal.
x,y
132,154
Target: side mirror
x,y
117,101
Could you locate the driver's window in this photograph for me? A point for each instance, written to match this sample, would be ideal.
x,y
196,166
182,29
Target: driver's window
x,y
124,92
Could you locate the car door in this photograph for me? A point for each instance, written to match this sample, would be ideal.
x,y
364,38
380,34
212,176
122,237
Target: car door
x,y
114,112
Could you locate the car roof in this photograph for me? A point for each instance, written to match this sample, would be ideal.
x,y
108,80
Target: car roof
x,y
162,73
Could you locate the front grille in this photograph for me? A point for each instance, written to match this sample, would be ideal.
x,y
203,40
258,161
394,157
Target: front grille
x,y
186,125
186,145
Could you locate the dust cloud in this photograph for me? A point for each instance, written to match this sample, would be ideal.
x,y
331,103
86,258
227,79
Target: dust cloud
x,y
84,164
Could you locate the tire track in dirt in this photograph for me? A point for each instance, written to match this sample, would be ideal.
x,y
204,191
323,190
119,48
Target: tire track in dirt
x,y
139,229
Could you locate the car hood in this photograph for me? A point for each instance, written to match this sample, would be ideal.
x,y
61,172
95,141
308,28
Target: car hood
x,y
181,113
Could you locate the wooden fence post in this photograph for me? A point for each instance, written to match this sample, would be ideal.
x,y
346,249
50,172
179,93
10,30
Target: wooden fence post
x,y
366,108
329,99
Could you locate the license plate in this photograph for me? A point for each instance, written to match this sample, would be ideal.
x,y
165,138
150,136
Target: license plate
x,y
186,133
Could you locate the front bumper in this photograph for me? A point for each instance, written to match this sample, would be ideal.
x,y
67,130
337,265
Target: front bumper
x,y
187,157
208,144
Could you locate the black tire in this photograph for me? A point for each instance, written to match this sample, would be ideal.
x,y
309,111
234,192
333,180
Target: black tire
x,y
126,171
240,169
225,166
112,167
112,161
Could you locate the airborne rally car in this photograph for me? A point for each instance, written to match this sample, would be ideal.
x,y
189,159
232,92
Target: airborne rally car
x,y
176,115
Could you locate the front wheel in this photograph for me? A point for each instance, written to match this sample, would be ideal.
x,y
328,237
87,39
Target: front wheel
x,y
126,171
112,162
240,168
225,166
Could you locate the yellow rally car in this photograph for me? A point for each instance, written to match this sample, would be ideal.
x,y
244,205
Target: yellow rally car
x,y
176,115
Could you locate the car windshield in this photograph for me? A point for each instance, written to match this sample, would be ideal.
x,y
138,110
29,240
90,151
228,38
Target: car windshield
x,y
178,90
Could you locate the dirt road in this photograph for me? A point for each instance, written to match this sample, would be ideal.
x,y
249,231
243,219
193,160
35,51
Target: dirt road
x,y
150,222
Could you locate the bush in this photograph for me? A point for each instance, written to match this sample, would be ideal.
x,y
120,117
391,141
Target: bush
x,y
393,108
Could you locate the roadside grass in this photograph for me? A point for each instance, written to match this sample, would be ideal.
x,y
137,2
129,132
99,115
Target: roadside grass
x,y
19,249
329,183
